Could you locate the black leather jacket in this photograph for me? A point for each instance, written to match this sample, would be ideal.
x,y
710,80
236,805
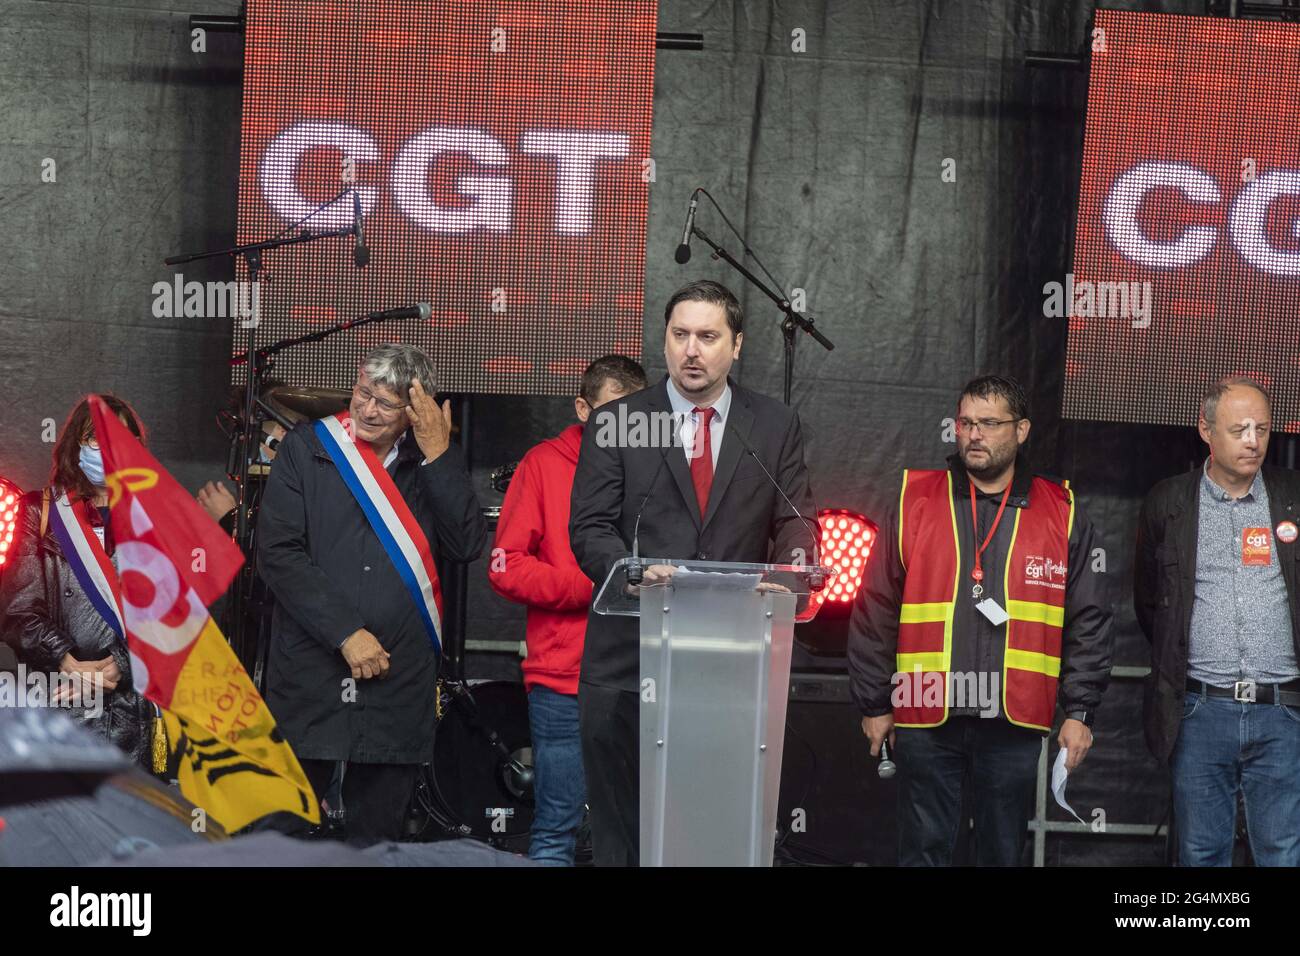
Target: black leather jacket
x,y
44,614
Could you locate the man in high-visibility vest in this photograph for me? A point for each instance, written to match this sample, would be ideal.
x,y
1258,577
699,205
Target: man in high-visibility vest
x,y
982,609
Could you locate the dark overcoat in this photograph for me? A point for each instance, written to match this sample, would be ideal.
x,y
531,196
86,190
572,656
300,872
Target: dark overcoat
x,y
331,577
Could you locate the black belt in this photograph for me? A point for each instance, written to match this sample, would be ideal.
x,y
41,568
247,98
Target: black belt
x,y
1250,692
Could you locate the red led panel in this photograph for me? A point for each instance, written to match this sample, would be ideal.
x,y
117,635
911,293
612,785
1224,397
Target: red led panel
x,y
500,151
1190,197
846,542
9,495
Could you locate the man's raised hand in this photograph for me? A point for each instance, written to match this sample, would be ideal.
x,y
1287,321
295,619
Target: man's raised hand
x,y
432,424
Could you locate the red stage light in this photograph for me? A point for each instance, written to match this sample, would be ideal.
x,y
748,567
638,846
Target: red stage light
x,y
9,495
846,542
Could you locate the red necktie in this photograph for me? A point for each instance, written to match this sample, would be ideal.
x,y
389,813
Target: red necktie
x,y
702,459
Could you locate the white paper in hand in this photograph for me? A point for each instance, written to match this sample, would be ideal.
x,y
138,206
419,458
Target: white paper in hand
x,y
1059,775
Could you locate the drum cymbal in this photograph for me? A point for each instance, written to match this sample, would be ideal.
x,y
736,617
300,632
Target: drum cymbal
x,y
307,404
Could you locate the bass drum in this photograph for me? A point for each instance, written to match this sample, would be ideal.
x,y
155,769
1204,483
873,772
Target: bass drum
x,y
481,778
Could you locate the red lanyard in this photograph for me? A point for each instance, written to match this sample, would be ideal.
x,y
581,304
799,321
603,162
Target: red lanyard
x,y
978,571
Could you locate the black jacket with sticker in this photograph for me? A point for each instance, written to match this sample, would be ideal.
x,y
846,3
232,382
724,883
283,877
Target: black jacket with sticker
x,y
1164,585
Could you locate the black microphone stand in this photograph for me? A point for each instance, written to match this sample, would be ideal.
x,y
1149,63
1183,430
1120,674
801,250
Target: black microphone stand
x,y
792,320
257,366
267,352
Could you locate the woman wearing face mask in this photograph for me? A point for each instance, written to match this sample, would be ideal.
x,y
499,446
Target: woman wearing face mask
x,y
58,593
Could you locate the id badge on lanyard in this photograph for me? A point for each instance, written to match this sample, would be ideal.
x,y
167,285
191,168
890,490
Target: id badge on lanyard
x,y
990,608
977,572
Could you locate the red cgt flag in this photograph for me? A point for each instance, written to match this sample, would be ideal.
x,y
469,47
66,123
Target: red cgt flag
x,y
203,554
173,560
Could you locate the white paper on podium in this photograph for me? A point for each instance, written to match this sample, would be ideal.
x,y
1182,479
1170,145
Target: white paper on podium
x,y
720,580
1059,775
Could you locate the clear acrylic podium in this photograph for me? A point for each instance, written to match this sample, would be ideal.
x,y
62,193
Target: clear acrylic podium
x,y
715,675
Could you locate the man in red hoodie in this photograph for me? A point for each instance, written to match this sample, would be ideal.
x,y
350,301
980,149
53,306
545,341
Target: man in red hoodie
x,y
532,565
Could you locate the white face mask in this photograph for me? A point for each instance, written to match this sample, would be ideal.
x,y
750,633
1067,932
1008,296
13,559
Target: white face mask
x,y
92,465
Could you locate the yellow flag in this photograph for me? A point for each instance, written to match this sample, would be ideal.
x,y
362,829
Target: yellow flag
x,y
233,762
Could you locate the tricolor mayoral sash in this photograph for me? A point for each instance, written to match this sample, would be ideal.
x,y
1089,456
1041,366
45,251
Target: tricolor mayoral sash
x,y
389,516
88,559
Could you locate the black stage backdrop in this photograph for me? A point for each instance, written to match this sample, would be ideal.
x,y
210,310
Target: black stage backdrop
x,y
823,129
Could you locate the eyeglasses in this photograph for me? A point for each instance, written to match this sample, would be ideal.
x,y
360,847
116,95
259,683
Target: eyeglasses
x,y
367,396
985,425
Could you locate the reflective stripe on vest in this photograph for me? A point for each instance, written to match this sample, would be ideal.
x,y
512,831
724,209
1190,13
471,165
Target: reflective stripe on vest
x,y
931,557
1035,603
1034,598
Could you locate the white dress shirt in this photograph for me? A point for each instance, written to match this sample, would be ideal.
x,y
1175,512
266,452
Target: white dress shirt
x,y
686,408
392,452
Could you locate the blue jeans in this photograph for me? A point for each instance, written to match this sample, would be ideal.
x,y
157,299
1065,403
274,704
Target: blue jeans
x,y
559,787
1224,746
999,760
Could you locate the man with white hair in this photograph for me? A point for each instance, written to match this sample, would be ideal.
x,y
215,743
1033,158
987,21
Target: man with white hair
x,y
1216,591
357,508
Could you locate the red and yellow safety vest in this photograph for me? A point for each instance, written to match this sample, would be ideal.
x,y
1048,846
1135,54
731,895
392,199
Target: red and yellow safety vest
x,y
1034,589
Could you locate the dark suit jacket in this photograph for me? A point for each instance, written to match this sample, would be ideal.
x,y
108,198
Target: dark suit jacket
x,y
747,520
1164,583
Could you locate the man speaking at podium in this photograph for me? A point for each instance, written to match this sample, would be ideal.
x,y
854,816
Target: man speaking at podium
x,y
705,499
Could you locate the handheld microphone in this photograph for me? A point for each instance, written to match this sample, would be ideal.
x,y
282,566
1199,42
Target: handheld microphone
x,y
360,254
683,253
815,581
636,570
886,768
